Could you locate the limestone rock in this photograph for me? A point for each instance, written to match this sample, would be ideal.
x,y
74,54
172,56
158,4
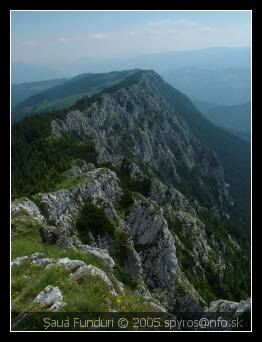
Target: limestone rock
x,y
80,167
28,206
145,223
90,270
71,265
226,306
50,297
63,206
43,261
19,261
100,253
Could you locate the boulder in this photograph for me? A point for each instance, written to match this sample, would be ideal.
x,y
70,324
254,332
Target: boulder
x,y
90,270
29,206
71,265
19,261
50,297
36,255
43,261
100,253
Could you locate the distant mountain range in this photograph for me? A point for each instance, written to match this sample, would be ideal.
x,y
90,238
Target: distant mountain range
x,y
220,87
210,77
63,95
22,91
236,118
217,58
25,72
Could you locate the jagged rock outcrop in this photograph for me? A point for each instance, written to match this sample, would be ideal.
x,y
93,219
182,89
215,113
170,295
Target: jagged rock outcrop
x,y
226,306
145,222
63,206
151,134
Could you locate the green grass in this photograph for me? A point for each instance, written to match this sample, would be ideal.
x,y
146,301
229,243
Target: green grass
x,y
88,295
29,242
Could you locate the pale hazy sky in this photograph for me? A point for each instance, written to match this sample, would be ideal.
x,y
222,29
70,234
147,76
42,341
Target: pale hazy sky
x,y
43,36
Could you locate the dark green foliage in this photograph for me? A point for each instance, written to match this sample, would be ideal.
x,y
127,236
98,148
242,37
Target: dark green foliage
x,y
118,251
126,200
37,162
93,219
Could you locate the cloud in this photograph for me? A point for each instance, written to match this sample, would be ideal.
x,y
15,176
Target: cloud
x,y
173,26
172,23
100,36
29,43
64,40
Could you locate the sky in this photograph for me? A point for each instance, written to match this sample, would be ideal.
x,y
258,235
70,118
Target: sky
x,y
42,36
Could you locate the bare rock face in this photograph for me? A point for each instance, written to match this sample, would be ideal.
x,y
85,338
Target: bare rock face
x,y
155,133
168,196
145,223
159,261
226,306
63,206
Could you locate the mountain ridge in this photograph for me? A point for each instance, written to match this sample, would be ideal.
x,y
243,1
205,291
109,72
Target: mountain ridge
x,y
148,173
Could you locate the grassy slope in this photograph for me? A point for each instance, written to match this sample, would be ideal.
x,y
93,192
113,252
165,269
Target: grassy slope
x,y
89,295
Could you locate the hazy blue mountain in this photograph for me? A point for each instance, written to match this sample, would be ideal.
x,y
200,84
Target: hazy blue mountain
x,y
20,92
67,93
219,75
23,72
217,58
233,118
222,87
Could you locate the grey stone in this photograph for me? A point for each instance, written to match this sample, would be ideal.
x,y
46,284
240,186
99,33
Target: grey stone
x,y
19,261
50,297
69,264
100,253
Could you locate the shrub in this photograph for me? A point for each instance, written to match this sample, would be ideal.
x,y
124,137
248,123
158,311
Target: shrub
x,y
93,219
126,200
